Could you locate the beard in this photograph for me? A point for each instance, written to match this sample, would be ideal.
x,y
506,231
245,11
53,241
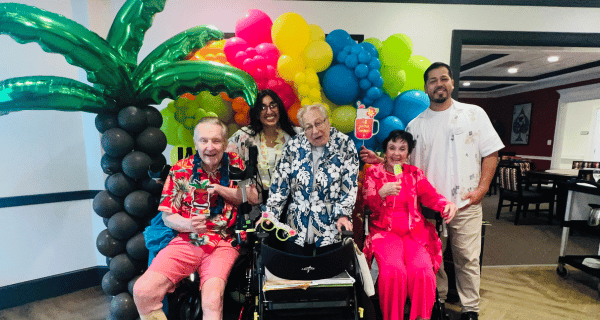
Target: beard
x,y
439,98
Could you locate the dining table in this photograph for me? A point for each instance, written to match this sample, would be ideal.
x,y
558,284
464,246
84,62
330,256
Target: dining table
x,y
558,178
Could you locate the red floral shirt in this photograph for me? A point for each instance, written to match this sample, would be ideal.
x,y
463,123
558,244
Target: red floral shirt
x,y
180,197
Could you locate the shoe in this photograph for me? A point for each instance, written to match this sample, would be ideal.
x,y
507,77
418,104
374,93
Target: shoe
x,y
445,315
469,316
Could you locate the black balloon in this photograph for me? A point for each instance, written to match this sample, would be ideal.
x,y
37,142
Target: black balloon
x,y
152,186
108,261
140,204
105,220
113,286
122,226
122,267
122,307
120,184
136,247
151,141
131,283
110,165
133,119
116,142
136,165
106,204
108,245
158,163
106,121
154,117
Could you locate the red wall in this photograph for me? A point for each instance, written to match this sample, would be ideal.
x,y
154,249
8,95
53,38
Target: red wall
x,y
544,108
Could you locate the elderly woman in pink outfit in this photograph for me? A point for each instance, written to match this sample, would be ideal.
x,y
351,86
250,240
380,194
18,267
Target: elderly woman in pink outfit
x,y
405,245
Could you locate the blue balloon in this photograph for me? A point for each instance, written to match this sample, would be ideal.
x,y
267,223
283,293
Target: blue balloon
x,y
378,82
410,104
388,125
371,144
375,63
361,70
370,49
374,75
356,49
374,93
365,84
351,61
340,85
385,104
338,39
364,57
367,101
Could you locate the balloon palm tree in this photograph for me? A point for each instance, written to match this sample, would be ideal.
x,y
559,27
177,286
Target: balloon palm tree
x,y
121,94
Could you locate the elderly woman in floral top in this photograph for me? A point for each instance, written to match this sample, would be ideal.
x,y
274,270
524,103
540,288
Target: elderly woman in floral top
x,y
270,127
319,169
199,201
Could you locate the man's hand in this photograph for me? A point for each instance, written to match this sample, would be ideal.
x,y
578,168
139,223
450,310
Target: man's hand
x,y
449,212
252,195
199,223
344,221
474,197
390,189
369,156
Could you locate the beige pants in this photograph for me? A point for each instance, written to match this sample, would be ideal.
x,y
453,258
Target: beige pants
x,y
464,232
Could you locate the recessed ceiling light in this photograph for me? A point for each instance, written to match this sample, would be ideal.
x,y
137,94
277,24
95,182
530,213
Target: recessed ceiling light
x,y
513,70
466,84
552,58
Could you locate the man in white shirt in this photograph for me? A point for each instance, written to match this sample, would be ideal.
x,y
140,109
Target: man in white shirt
x,y
457,148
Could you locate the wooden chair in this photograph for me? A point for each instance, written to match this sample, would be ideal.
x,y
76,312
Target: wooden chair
x,y
513,188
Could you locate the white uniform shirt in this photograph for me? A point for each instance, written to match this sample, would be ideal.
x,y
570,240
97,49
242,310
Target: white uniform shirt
x,y
450,146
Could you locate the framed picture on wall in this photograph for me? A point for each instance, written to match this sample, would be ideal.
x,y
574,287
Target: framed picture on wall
x,y
521,123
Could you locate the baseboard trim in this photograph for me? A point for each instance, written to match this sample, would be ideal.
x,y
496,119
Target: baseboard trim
x,y
49,287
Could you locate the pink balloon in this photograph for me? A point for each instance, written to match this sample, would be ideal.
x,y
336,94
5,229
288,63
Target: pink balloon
x,y
251,52
254,27
238,60
233,46
261,84
269,51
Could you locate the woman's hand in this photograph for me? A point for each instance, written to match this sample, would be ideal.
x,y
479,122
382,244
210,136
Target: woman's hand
x,y
368,156
390,189
199,223
449,212
343,221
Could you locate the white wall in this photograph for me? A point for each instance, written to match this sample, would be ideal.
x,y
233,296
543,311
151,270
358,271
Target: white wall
x,y
579,119
52,152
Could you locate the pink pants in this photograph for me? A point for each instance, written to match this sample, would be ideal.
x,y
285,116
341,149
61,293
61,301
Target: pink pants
x,y
404,267
176,261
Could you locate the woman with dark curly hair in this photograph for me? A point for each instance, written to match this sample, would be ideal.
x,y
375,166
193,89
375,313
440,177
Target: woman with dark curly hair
x,y
270,127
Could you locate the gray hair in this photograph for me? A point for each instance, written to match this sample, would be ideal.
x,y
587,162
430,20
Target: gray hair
x,y
317,106
211,120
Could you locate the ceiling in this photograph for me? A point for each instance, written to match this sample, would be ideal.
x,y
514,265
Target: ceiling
x,y
485,67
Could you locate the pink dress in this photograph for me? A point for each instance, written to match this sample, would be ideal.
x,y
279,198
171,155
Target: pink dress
x,y
405,245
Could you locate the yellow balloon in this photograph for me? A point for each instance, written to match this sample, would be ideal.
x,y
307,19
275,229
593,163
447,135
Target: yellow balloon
x,y
315,94
311,78
306,102
300,78
318,55
316,33
290,33
303,90
288,67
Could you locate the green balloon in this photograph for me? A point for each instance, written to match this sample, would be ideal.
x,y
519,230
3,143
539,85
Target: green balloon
x,y
394,80
376,42
174,79
169,127
127,32
185,136
343,118
396,50
214,104
80,46
414,80
52,93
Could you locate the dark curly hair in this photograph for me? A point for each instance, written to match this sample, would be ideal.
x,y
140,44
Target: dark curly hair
x,y
284,121
396,135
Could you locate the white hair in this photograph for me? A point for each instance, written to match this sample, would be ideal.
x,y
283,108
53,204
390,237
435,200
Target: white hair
x,y
211,120
317,106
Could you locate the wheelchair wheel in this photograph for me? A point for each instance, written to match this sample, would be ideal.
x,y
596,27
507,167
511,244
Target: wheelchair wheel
x,y
189,306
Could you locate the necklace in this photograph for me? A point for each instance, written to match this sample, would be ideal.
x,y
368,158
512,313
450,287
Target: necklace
x,y
263,162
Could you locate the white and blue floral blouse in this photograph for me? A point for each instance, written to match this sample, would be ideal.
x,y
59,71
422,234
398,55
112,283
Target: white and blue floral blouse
x,y
333,194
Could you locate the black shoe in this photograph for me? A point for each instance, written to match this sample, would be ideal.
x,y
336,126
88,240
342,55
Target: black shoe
x,y
469,316
445,315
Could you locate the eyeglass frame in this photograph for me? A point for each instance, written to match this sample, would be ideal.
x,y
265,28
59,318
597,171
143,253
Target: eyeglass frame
x,y
319,125
272,106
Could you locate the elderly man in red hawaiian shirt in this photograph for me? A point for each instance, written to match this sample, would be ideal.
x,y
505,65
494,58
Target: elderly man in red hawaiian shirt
x,y
200,201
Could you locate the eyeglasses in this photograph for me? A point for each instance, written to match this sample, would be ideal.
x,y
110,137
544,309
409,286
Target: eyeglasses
x,y
319,124
269,222
273,106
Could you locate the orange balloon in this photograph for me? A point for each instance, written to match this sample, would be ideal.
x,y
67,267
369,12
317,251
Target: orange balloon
x,y
293,113
242,119
188,96
225,97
